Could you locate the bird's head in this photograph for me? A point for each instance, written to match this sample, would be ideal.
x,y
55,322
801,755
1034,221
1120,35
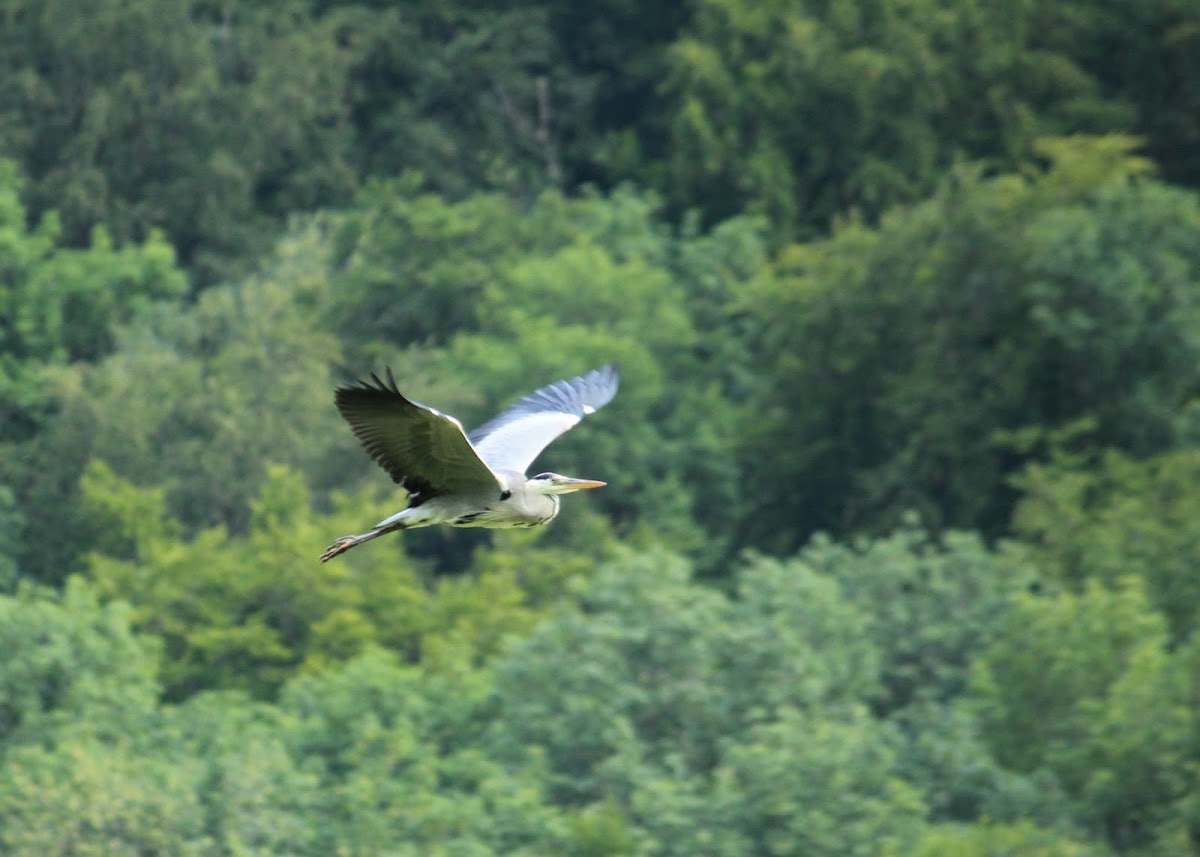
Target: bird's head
x,y
556,483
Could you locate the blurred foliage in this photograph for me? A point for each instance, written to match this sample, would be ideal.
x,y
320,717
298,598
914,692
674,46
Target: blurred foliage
x,y
1116,518
246,612
804,111
71,665
11,525
206,121
917,365
646,714
999,840
59,307
933,605
1068,688
899,550
214,121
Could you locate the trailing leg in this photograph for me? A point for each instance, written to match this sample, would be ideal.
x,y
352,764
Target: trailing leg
x,y
346,542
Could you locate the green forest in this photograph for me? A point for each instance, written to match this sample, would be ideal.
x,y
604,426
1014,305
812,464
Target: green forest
x,y
900,550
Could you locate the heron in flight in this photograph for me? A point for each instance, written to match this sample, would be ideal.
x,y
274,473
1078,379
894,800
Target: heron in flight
x,y
469,480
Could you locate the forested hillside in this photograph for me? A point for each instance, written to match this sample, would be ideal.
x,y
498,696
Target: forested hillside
x,y
900,553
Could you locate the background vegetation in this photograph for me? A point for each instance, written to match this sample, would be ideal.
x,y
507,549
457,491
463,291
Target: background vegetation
x,y
901,553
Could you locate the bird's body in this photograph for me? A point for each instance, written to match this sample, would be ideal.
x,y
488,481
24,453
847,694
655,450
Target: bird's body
x,y
469,481
513,506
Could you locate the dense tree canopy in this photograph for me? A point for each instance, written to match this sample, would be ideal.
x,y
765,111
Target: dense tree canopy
x,y
917,365
900,552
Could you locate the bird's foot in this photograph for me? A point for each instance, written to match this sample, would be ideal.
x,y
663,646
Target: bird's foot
x,y
340,546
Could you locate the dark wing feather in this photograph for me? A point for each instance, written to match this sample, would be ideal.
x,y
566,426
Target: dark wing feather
x,y
514,438
421,448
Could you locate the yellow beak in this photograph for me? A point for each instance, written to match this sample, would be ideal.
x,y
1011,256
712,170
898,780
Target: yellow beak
x,y
582,484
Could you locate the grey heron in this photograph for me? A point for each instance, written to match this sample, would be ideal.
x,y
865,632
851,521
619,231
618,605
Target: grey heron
x,y
468,480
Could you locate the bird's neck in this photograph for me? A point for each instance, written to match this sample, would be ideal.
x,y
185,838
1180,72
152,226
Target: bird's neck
x,y
533,503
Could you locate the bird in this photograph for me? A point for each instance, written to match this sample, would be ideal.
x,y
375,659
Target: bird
x,y
469,480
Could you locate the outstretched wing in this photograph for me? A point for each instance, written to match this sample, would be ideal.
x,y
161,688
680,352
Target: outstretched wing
x,y
512,440
422,449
